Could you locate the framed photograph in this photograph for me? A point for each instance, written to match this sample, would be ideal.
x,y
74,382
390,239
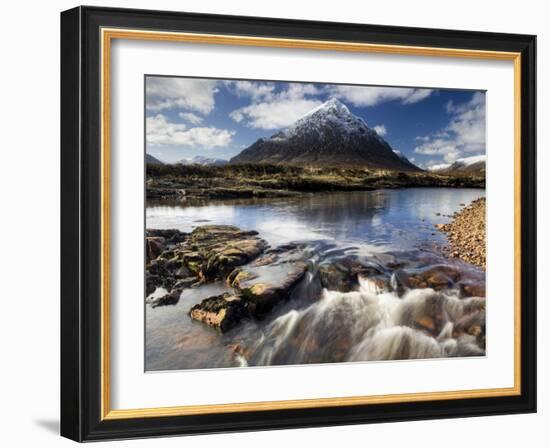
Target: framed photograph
x,y
276,224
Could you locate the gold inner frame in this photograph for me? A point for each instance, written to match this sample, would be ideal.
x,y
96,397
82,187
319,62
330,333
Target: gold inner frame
x,y
107,35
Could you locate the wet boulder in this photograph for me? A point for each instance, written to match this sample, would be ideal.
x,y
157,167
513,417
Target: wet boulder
x,y
343,275
337,277
271,278
169,298
221,312
219,249
154,246
166,273
472,288
424,311
472,324
269,285
210,252
436,277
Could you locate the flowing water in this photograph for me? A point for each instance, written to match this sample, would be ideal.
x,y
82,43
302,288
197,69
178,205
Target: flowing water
x,y
388,229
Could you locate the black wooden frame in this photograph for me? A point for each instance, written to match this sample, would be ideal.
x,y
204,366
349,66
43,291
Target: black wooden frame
x,y
80,223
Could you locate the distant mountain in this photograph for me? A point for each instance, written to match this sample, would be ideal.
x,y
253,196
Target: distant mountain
x,y
329,135
473,166
151,160
203,161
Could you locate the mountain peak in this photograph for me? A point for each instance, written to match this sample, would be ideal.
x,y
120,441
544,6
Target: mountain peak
x,y
334,105
333,115
328,135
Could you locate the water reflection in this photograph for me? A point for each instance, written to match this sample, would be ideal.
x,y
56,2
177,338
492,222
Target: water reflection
x,y
389,219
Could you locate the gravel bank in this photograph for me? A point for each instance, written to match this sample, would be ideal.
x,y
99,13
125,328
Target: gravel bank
x,y
466,233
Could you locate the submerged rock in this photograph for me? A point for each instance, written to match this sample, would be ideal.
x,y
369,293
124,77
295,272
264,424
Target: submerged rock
x,y
436,277
222,312
343,275
472,288
258,287
170,298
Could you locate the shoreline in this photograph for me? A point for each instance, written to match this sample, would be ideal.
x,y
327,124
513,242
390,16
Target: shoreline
x,y
265,181
466,234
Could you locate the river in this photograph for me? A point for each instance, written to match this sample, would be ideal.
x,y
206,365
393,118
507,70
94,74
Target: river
x,y
384,227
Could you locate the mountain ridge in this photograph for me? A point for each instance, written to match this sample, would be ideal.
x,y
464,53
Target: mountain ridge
x,y
473,165
152,160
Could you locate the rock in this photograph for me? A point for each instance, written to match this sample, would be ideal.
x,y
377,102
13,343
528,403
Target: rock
x,y
472,324
472,289
166,273
154,246
184,283
238,277
343,275
271,285
178,260
223,248
437,277
336,277
221,312
171,298
426,314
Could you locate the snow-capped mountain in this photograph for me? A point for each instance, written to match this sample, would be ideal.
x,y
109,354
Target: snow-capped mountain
x,y
203,161
474,165
329,135
152,160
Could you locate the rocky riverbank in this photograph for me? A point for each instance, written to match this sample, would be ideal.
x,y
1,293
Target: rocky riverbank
x,y
261,181
466,233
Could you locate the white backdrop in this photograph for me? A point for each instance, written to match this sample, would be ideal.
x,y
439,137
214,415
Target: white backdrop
x,y
30,196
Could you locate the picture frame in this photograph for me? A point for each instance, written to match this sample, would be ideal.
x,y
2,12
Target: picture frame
x,y
86,37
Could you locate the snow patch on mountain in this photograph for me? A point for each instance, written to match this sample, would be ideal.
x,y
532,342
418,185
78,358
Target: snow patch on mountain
x,y
459,163
203,161
469,161
333,113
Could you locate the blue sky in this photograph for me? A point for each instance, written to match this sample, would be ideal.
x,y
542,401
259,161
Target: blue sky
x,y
186,117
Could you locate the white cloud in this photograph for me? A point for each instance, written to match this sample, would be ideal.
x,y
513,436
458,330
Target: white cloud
x,y
465,132
371,96
169,93
253,89
190,117
381,130
416,96
278,110
162,132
